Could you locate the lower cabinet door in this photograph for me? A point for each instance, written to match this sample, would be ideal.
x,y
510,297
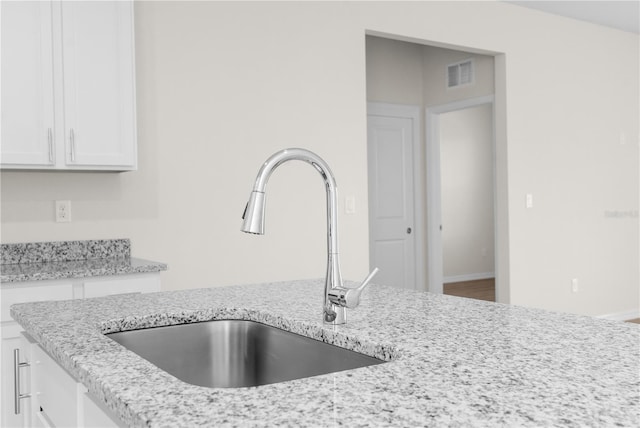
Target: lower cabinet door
x,y
61,401
11,341
55,391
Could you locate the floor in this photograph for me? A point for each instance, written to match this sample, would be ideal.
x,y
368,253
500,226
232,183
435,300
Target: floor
x,y
481,289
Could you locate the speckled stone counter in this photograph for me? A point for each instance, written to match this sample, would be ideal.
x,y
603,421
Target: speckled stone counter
x,y
37,261
453,361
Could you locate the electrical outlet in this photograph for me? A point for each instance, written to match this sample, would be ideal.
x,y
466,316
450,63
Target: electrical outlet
x,y
574,285
63,211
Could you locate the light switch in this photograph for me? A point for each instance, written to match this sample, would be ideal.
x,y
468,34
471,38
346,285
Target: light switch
x,y
574,285
350,205
623,138
529,200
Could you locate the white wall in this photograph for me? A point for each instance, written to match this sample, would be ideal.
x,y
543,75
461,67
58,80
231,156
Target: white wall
x,y
395,71
223,85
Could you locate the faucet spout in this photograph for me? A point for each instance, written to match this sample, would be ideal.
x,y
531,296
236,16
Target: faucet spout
x,y
254,220
254,212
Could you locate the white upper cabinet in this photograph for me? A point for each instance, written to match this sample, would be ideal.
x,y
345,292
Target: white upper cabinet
x,y
68,86
99,97
27,84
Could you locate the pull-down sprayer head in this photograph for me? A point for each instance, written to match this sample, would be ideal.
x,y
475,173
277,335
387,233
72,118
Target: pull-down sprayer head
x,y
254,214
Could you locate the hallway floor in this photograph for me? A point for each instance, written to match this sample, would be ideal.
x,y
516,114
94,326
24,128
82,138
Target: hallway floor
x,y
482,289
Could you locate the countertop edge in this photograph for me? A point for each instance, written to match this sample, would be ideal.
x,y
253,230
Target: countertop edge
x,y
140,266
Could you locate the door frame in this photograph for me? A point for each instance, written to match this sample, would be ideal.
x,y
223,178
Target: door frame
x,y
412,112
434,197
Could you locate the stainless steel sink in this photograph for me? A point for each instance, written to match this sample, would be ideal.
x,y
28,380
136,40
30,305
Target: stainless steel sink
x,y
237,353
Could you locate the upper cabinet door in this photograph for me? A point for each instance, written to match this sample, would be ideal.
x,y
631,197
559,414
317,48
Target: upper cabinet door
x,y
99,89
28,129
68,85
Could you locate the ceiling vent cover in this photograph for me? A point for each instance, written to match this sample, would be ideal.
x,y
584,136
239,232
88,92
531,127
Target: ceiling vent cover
x,y
460,73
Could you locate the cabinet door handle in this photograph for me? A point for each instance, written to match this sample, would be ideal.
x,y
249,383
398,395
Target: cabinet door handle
x,y
72,141
17,365
50,142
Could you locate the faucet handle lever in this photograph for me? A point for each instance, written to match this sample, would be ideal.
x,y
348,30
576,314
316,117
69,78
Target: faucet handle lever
x,y
350,297
368,279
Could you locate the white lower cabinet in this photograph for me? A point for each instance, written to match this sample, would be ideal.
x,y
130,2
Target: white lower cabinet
x,y
57,399
48,386
54,392
12,293
11,341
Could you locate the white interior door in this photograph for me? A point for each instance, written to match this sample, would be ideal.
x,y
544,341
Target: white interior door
x,y
391,142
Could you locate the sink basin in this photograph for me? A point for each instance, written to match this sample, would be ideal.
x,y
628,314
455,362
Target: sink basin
x,y
237,353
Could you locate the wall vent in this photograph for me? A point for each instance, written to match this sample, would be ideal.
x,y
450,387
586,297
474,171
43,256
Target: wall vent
x,y
460,73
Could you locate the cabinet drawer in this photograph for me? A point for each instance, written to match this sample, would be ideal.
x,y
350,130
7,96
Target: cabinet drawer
x,y
56,390
28,292
129,284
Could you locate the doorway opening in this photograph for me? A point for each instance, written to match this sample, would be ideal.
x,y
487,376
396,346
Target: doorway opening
x,y
410,101
460,197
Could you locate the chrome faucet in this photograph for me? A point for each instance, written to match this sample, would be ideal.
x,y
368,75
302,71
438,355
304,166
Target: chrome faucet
x,y
337,297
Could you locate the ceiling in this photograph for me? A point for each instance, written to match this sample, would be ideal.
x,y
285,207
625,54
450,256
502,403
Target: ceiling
x,y
623,15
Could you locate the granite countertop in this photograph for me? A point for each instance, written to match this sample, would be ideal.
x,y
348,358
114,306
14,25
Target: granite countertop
x,y
37,261
454,361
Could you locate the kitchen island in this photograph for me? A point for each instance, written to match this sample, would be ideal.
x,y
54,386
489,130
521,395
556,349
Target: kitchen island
x,y
451,361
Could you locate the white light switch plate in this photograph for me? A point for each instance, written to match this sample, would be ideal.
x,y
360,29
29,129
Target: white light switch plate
x,y
350,205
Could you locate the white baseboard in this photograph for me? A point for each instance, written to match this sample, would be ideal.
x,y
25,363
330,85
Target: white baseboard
x,y
621,316
468,277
